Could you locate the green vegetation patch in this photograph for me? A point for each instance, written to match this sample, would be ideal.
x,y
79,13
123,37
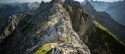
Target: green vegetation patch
x,y
106,30
103,28
44,49
47,48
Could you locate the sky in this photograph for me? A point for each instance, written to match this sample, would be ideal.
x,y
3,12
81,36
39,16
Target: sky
x,y
12,1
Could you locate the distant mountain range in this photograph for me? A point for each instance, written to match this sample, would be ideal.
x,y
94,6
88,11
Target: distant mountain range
x,y
8,9
106,20
12,8
115,9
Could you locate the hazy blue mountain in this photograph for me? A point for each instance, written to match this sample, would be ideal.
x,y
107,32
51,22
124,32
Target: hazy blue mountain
x,y
7,9
12,8
100,5
117,11
106,20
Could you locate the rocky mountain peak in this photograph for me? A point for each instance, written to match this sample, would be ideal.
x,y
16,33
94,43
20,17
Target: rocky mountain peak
x,y
47,31
62,33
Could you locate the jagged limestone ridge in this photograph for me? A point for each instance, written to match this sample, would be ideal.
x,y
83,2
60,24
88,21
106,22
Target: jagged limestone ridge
x,y
50,25
70,41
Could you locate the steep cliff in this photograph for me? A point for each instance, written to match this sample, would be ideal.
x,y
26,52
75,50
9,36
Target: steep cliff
x,y
9,26
47,31
81,21
98,39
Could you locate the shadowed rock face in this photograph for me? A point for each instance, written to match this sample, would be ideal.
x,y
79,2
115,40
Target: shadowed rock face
x,y
49,26
98,41
9,27
82,22
115,9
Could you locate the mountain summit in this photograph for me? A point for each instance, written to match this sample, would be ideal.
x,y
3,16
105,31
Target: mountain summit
x,y
48,31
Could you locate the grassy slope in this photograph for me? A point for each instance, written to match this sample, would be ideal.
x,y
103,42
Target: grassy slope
x,y
44,49
106,30
102,41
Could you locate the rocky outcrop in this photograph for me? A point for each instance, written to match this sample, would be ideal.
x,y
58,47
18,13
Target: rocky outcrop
x,y
9,27
48,31
82,22
42,5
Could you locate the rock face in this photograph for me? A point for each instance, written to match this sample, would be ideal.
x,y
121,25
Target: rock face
x,y
48,31
82,22
98,39
9,27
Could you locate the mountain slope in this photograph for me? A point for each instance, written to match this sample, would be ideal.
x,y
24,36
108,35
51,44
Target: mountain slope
x,y
101,41
9,9
98,39
51,26
105,19
59,28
